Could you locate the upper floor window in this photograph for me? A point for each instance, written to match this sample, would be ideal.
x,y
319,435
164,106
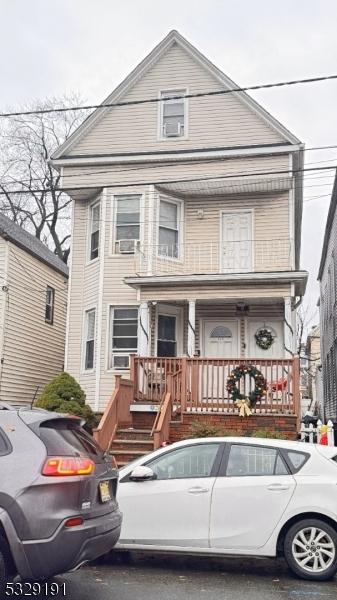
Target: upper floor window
x,y
173,114
95,216
49,311
127,232
90,327
169,228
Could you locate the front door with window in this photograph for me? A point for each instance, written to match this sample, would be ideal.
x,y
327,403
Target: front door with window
x,y
167,335
236,247
220,339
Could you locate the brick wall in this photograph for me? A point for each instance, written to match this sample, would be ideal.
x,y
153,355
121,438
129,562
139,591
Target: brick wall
x,y
284,424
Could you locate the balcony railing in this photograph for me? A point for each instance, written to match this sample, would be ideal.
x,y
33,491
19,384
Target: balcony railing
x,y
214,257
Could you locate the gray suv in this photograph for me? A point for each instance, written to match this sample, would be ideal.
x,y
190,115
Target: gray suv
x,y
58,506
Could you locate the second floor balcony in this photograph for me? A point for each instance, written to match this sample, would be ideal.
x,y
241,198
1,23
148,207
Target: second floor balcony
x,y
246,256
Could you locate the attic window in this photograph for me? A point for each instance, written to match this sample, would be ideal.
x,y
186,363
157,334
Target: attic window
x,y
173,114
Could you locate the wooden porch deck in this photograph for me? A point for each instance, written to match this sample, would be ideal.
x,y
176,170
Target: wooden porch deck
x,y
196,385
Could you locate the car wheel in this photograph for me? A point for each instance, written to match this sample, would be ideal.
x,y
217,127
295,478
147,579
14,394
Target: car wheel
x,y
310,549
5,564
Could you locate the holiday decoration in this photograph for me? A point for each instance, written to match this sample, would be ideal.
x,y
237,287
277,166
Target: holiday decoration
x,y
323,435
264,338
242,401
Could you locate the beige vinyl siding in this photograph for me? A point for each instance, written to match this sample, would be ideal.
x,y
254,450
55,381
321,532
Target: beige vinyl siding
x,y
141,174
136,127
84,277
33,350
3,245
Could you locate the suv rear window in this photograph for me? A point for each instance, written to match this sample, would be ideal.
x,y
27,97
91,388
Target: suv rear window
x,y
65,438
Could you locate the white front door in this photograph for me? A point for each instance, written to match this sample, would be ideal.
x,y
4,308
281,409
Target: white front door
x,y
220,339
173,509
276,350
250,498
236,247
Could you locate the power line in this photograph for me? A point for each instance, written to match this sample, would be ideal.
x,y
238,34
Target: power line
x,y
176,181
44,111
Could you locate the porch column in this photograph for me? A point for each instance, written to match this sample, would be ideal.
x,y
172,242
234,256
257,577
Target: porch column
x,y
191,328
289,332
143,330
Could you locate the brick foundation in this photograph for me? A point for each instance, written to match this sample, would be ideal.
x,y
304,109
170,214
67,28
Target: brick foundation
x,y
283,424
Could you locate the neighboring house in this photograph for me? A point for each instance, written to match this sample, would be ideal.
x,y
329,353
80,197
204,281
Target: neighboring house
x,y
313,352
186,237
328,309
33,308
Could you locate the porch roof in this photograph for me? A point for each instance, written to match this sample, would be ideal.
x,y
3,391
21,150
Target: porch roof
x,y
298,278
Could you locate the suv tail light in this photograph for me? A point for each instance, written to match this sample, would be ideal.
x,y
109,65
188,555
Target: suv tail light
x,y
63,466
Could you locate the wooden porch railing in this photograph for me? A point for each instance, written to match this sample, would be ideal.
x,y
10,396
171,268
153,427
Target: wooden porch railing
x,y
116,413
161,427
200,384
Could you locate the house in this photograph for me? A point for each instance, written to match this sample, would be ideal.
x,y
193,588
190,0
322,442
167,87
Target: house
x,y
314,370
328,314
186,244
33,306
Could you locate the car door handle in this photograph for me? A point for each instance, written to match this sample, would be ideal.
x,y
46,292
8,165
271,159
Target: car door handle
x,y
197,490
277,487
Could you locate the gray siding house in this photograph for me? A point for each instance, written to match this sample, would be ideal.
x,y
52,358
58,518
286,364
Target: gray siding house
x,y
33,306
328,309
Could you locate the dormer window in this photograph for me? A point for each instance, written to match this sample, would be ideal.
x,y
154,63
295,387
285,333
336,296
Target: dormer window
x,y
173,114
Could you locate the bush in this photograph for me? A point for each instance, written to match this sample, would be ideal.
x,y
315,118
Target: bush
x,y
267,433
201,430
64,395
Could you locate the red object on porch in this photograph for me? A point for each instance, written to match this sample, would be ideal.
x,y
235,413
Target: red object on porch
x,y
278,386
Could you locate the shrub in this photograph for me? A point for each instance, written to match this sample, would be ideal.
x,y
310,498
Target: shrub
x,y
267,433
64,395
200,430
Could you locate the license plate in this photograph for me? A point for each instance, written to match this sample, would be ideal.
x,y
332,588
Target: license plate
x,y
104,491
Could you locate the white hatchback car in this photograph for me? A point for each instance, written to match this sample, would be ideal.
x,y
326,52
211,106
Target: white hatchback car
x,y
236,496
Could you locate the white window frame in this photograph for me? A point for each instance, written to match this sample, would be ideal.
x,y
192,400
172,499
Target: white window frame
x,y
177,91
125,352
90,232
114,205
90,309
180,222
50,304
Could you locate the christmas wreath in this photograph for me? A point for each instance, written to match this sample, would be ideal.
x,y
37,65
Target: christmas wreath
x,y
244,402
264,338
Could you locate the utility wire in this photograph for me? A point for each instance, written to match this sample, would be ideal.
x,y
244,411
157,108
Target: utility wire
x,y
44,111
176,181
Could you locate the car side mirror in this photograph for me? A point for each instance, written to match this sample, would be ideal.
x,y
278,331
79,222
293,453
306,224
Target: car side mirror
x,y
142,473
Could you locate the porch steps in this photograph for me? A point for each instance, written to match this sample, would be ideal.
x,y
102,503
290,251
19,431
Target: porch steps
x,y
130,444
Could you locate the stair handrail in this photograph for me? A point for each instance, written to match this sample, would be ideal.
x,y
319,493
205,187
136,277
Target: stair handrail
x,y
161,432
117,411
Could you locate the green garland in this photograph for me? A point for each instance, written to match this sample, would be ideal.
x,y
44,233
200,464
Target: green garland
x,y
259,391
264,338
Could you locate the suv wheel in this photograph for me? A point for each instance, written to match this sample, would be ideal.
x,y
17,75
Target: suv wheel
x,y
310,549
5,564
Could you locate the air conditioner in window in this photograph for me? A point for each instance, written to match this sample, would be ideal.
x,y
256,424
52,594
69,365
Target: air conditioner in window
x,y
126,246
173,129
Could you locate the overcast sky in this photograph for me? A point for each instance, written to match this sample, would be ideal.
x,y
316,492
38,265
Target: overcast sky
x,y
88,46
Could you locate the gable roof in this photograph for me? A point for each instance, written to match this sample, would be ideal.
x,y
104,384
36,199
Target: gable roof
x,y
21,238
174,37
328,227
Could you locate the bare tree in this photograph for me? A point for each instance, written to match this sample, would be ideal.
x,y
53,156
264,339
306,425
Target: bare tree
x,y
27,142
